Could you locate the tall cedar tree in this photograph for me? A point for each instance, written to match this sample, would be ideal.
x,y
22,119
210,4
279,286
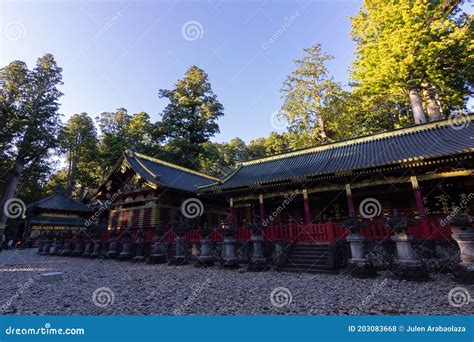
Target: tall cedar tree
x,y
29,105
79,143
190,118
417,51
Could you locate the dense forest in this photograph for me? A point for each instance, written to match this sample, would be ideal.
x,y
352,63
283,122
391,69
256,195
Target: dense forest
x,y
413,63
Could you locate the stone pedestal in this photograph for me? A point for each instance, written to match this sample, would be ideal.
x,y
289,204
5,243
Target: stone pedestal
x,y
205,258
79,248
68,248
96,249
113,251
140,254
464,237
180,256
47,247
407,266
257,261
157,255
88,249
126,253
230,260
41,245
57,247
358,265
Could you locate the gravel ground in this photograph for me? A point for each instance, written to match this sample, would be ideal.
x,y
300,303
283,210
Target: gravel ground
x,y
125,288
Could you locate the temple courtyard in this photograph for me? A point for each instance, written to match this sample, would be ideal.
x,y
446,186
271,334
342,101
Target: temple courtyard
x,y
106,287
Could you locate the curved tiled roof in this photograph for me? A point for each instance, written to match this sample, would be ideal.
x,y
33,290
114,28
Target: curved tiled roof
x,y
419,142
166,174
59,201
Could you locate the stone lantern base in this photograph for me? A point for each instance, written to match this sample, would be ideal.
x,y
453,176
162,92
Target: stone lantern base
x,y
229,259
464,273
412,270
206,258
361,268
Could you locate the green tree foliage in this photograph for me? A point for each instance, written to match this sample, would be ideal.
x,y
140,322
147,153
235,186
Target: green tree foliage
x,y
305,93
30,120
79,143
190,118
121,131
413,52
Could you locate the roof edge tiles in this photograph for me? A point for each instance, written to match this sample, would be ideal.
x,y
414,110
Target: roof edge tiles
x,y
358,140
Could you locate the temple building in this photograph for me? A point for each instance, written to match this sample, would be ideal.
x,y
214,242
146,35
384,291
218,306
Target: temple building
x,y
53,216
317,209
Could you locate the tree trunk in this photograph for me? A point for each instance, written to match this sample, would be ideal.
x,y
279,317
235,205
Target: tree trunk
x,y
71,180
10,192
432,104
322,129
416,106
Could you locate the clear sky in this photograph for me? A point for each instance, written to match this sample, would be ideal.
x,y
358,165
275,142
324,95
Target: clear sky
x,y
118,54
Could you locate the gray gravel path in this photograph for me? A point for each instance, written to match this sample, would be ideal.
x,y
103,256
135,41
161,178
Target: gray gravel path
x,y
105,287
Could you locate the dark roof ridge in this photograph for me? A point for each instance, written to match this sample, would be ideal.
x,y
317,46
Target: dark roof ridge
x,y
358,140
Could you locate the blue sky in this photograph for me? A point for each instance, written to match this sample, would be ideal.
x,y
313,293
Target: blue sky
x,y
119,54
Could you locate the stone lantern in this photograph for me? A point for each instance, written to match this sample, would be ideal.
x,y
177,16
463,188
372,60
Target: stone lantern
x,y
463,234
359,265
157,255
68,244
47,244
141,246
230,259
41,243
79,247
205,258
89,248
113,251
257,261
180,257
126,253
407,265
57,245
97,249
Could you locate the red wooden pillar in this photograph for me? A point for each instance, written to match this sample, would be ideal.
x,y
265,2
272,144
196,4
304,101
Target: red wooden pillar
x,y
350,202
232,212
307,211
262,209
420,205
